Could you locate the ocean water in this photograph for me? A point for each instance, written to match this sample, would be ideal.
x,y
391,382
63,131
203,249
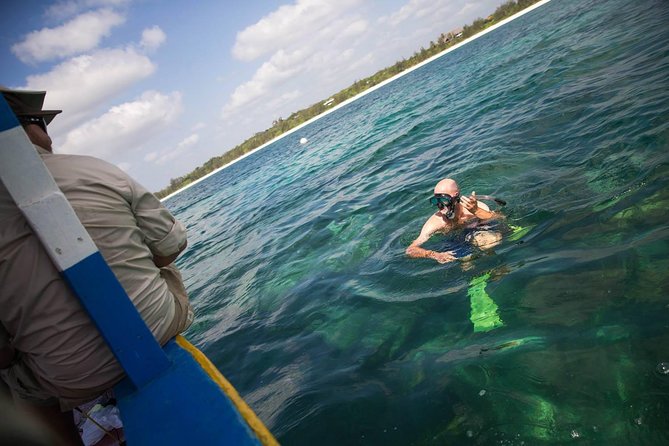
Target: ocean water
x,y
305,299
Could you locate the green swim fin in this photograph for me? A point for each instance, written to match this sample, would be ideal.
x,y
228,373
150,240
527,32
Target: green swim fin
x,y
518,232
484,315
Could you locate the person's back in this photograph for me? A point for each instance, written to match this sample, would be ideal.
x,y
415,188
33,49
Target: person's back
x,y
40,313
128,225
49,327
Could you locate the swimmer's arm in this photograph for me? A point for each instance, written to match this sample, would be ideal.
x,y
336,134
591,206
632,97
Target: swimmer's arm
x,y
479,208
416,251
484,213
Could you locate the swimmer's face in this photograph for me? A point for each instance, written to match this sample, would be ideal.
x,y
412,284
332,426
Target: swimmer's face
x,y
446,203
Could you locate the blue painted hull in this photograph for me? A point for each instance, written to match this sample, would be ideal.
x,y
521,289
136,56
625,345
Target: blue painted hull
x,y
185,405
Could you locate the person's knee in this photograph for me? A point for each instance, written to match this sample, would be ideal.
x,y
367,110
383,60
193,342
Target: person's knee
x,y
487,239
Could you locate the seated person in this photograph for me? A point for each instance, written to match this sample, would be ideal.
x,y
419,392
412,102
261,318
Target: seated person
x,y
52,357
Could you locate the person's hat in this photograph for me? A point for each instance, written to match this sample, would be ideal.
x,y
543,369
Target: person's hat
x,y
28,103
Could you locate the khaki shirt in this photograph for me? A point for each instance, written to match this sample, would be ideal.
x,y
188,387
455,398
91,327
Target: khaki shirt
x,y
47,325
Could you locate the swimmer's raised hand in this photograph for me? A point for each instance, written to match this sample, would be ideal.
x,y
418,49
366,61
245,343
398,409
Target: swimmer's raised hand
x,y
470,203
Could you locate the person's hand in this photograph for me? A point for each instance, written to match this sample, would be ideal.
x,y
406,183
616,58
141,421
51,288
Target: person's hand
x,y
444,257
470,203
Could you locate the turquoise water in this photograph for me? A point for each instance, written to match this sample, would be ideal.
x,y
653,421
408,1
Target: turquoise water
x,y
306,302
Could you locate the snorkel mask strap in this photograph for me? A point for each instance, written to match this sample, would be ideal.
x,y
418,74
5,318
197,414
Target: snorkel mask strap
x,y
488,197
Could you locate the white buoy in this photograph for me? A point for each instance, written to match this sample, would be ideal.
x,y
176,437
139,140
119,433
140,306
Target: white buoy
x,y
303,140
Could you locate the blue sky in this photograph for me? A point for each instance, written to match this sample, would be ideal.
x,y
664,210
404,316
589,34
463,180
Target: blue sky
x,y
160,87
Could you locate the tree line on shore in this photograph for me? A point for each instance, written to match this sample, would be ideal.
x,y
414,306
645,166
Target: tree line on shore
x,y
280,126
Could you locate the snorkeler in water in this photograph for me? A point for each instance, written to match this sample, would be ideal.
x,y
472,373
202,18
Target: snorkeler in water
x,y
455,211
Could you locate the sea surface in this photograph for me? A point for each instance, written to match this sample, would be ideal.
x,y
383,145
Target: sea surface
x,y
306,302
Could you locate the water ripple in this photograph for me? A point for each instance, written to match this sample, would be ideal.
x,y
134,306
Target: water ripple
x,y
305,300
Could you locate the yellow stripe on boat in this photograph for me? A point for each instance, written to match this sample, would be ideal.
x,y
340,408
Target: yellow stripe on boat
x,y
263,434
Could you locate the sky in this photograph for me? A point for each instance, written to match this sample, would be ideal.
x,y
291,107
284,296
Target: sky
x,y
160,87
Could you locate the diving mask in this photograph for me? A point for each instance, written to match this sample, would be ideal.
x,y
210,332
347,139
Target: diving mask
x,y
445,201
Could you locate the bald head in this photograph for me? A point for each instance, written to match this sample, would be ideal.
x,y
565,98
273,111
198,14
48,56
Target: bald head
x,y
447,186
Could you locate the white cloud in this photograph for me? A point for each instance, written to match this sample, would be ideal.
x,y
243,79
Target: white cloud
x,y
278,103
304,43
124,128
402,14
280,67
165,156
180,149
62,10
287,25
192,139
318,56
354,29
124,166
439,11
80,84
152,38
68,8
80,34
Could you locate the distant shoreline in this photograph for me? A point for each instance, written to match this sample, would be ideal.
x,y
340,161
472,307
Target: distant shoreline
x,y
358,96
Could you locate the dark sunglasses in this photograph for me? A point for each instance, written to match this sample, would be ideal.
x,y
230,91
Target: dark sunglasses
x,y
37,120
444,200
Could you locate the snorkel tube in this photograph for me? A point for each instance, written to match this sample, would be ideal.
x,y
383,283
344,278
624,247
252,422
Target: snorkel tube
x,y
491,198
